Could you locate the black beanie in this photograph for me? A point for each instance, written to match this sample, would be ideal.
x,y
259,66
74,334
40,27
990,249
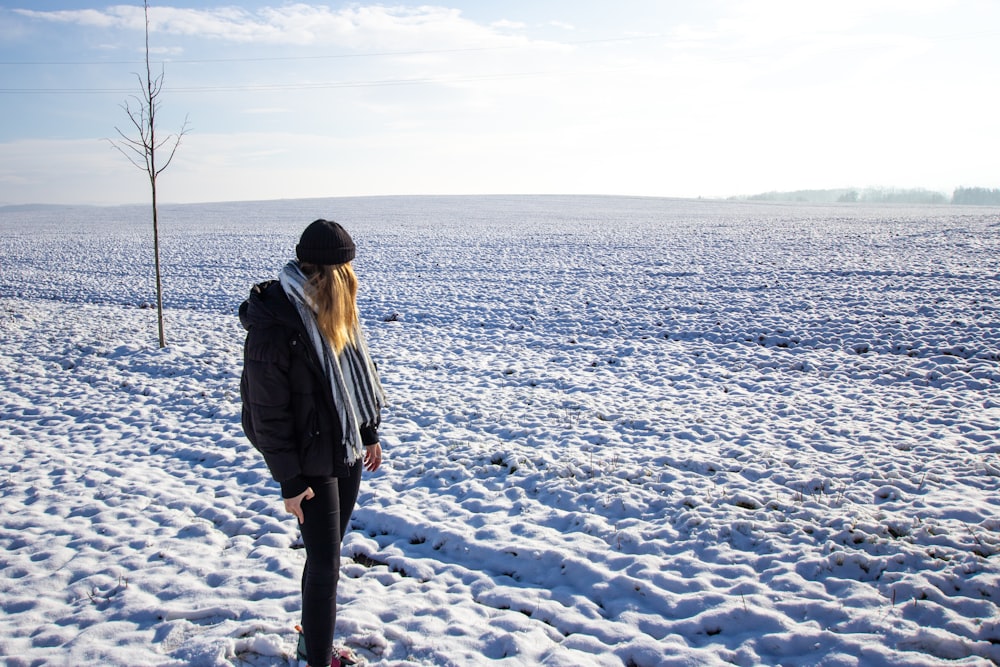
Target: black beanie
x,y
325,242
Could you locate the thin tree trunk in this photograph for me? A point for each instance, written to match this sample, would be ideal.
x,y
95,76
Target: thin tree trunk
x,y
151,91
159,284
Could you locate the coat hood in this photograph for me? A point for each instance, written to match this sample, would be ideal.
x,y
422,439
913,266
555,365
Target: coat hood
x,y
268,305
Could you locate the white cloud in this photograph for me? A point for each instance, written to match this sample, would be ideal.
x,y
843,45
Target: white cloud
x,y
123,16
353,26
508,25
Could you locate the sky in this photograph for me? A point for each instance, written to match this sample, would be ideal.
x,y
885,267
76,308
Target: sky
x,y
284,100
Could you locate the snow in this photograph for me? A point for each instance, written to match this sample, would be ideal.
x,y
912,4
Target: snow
x,y
621,431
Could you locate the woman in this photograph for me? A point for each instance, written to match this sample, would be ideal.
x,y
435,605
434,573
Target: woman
x,y
311,405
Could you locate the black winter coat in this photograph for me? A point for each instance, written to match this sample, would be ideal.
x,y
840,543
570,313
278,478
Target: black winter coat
x,y
288,409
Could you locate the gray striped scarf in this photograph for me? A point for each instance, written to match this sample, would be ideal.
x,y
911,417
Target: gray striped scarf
x,y
353,377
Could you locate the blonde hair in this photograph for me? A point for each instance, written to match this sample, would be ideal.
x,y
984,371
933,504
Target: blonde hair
x,y
333,289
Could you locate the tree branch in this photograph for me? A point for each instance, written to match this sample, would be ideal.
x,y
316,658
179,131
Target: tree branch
x,y
177,142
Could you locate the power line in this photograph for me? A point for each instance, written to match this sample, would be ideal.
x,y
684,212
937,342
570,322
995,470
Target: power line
x,y
332,56
294,86
385,54
372,83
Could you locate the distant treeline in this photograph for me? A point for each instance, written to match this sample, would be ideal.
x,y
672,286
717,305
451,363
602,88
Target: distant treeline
x,y
881,196
976,196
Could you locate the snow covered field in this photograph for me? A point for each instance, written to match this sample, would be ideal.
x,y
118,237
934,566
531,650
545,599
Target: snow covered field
x,y
621,432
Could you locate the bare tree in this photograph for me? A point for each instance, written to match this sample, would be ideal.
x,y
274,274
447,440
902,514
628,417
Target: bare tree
x,y
142,148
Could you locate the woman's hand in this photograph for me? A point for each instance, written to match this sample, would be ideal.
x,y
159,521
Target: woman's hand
x,y
373,457
294,505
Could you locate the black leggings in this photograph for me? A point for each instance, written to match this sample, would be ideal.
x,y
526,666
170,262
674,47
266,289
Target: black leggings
x,y
326,517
